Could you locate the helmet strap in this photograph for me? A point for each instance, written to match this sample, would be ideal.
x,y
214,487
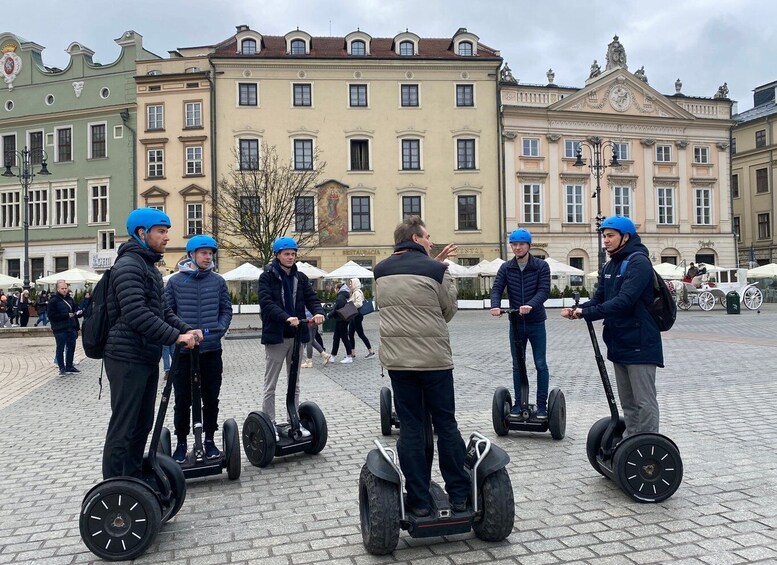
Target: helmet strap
x,y
142,242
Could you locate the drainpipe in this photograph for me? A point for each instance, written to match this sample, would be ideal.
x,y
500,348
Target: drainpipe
x,y
125,116
500,160
214,185
770,172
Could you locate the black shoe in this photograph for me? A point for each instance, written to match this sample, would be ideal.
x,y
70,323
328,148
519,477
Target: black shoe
x,y
459,506
541,414
72,370
420,512
211,451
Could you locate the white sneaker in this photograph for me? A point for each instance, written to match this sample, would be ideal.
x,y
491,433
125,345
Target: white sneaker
x,y
305,431
347,359
307,364
326,357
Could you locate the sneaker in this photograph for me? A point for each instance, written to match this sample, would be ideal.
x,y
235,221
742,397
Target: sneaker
x,y
347,359
307,364
370,355
180,454
72,370
62,374
516,410
211,451
305,431
542,413
326,357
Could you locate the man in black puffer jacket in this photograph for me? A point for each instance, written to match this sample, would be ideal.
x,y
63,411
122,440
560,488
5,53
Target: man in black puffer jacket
x,y
64,324
141,323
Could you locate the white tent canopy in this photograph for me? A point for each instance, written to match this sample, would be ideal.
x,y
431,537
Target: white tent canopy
x,y
561,269
459,271
71,276
763,272
10,282
351,270
487,268
312,272
670,271
245,272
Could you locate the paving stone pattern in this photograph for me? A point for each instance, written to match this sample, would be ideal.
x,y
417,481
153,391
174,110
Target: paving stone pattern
x,y
717,398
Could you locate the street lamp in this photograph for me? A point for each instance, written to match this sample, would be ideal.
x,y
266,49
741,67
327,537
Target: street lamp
x,y
595,146
25,174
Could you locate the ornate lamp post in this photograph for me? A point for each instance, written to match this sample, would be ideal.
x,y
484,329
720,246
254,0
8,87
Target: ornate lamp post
x,y
595,145
25,173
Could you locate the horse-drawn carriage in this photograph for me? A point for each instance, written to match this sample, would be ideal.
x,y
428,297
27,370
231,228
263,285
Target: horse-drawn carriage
x,y
714,286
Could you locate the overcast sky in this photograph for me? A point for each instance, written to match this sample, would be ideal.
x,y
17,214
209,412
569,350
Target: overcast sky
x,y
703,42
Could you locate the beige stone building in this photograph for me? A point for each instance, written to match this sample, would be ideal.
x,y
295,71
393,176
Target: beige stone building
x,y
672,178
752,178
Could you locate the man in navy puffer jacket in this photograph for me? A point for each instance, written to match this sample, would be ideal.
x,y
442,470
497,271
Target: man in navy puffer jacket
x,y
199,296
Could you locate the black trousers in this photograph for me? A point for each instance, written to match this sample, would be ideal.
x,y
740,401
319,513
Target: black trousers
x,y
356,327
211,368
66,347
133,392
341,334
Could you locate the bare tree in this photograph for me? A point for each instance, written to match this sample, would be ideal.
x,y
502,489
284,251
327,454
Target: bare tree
x,y
258,202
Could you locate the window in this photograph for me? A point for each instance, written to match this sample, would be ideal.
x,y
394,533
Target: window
x,y
194,160
193,111
304,214
10,209
406,49
358,48
465,95
532,203
302,95
735,186
97,149
571,148
249,154
574,203
701,155
663,153
303,154
193,219
248,47
298,47
764,231
411,206
360,155
703,198
37,270
156,163
61,264
737,227
14,267
621,150
467,212
106,240
760,138
250,208
36,147
411,154
64,206
665,206
38,208
761,181
360,213
531,147
247,94
9,149
409,95
465,154
98,204
358,95
155,117
64,145
465,49
622,201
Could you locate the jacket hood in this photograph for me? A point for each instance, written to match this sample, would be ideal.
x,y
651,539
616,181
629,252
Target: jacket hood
x,y
133,246
188,267
275,267
344,288
355,283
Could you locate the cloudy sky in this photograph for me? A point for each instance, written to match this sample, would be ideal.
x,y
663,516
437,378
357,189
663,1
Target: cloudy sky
x,y
703,42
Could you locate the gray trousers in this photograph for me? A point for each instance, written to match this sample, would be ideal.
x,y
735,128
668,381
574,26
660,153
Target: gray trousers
x,y
637,393
313,344
275,355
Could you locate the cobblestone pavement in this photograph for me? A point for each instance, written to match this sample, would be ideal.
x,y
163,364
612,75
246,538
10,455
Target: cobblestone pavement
x,y
717,398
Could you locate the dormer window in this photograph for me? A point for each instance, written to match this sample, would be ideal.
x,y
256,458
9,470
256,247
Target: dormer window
x,y
248,47
358,48
298,47
465,49
406,49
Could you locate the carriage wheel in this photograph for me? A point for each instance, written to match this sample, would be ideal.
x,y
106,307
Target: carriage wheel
x,y
753,298
706,301
684,304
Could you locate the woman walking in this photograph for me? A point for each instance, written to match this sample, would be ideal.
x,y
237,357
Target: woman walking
x,y
341,327
355,326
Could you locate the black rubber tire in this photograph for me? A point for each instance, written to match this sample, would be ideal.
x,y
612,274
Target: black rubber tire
x,y
500,408
648,467
177,480
231,442
385,411
557,414
595,435
378,513
311,416
119,519
259,439
165,443
496,502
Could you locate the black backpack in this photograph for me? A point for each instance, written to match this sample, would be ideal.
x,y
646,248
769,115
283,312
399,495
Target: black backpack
x,y
663,309
95,327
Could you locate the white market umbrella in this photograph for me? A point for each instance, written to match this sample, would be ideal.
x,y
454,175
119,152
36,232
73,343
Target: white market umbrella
x,y
71,276
562,269
763,272
476,270
459,271
670,271
10,282
487,268
245,272
312,272
592,275
351,270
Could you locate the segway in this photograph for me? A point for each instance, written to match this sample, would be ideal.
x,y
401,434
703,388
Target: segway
x,y
388,416
196,465
646,466
259,431
121,517
501,408
383,511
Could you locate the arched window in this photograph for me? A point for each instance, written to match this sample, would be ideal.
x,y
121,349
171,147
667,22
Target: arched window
x,y
465,49
406,49
248,47
298,47
358,47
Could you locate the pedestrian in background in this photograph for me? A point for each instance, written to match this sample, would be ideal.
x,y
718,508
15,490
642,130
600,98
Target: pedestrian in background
x,y
314,343
355,325
23,308
42,306
3,309
341,326
13,299
64,324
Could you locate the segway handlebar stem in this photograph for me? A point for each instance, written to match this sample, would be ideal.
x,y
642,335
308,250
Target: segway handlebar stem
x,y
390,455
482,448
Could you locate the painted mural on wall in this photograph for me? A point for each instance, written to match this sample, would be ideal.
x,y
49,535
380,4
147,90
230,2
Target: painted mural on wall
x,y
333,209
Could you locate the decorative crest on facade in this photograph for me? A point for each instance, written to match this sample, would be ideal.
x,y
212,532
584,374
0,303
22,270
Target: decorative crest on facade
x,y
11,63
78,86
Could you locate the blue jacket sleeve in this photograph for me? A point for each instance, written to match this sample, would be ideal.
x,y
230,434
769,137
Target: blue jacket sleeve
x,y
637,276
499,285
225,308
170,294
543,286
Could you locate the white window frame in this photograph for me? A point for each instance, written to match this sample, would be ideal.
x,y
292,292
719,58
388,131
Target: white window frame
x,y
667,157
363,42
293,40
622,150
418,94
312,141
312,99
351,85
420,154
89,139
238,84
15,144
665,210
574,145
702,212
622,201
371,201
36,218
196,113
475,148
533,147
10,209
411,195
315,213
103,238
456,95
405,42
535,216
574,204
155,163
193,160
118,132
99,200
466,194
349,150
71,199
246,40
471,47
28,136
701,155
190,218
158,117
239,163
57,158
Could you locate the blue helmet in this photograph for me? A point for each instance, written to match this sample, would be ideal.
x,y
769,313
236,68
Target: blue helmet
x,y
520,236
199,242
146,218
620,224
283,243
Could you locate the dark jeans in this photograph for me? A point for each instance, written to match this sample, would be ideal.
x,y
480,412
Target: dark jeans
x,y
536,335
43,318
341,334
133,391
436,387
211,368
24,316
66,346
355,327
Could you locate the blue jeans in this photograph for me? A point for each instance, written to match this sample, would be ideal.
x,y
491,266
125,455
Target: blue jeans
x,y
43,319
536,335
66,345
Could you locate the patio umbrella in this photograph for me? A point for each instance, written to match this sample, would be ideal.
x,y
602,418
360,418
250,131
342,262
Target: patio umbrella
x,y
670,271
458,271
351,270
245,272
10,282
561,269
763,272
312,272
71,276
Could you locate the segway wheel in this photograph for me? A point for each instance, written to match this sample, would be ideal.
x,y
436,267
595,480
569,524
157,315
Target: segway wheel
x,y
385,411
177,480
595,436
259,439
231,442
557,414
165,443
500,410
378,513
648,467
311,416
120,518
495,501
